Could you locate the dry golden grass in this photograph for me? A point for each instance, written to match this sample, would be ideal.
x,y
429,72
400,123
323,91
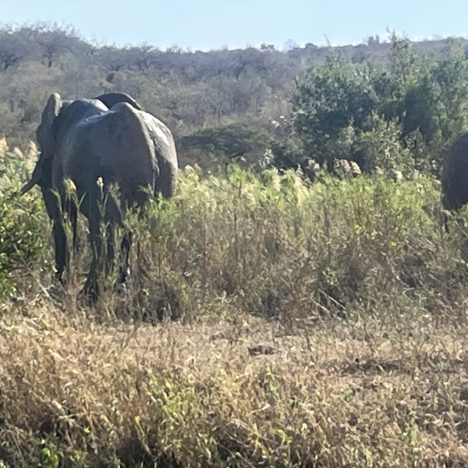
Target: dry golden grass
x,y
316,325
231,392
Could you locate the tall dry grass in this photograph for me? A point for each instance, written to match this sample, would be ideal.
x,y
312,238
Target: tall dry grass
x,y
267,322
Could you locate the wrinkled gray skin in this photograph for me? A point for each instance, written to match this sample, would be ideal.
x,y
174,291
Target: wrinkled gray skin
x,y
455,175
87,142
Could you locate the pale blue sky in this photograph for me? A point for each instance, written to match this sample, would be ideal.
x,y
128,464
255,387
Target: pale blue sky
x,y
209,24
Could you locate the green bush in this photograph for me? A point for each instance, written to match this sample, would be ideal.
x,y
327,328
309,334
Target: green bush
x,y
216,147
23,228
380,147
397,116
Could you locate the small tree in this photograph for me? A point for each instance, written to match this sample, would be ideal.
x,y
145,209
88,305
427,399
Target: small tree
x,y
12,49
54,41
330,100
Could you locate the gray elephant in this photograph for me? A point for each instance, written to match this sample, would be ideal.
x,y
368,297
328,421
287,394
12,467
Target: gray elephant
x,y
94,145
455,175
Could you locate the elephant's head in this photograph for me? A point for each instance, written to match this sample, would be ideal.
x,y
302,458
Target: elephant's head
x,y
45,135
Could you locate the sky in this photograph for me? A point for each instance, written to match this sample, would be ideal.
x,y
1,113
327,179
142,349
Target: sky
x,y
212,24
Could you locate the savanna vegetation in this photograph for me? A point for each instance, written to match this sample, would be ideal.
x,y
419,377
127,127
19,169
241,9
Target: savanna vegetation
x,y
280,311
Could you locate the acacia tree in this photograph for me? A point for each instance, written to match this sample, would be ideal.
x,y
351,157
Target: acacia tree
x,y
54,41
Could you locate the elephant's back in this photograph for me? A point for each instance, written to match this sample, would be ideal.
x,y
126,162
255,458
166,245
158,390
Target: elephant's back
x,y
455,174
125,150
74,155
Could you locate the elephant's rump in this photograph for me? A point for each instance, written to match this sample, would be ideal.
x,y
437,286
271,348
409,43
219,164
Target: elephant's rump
x,y
115,146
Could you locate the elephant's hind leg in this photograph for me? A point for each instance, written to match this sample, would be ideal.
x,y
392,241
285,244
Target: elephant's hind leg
x,y
124,269
72,209
113,218
94,212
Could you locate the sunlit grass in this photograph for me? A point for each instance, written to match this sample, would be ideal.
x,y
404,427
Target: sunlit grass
x,y
357,393
267,322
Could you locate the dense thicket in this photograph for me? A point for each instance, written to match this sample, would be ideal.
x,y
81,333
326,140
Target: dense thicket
x,y
396,116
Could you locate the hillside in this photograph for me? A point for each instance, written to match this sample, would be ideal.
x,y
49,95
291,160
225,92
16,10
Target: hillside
x,y
190,91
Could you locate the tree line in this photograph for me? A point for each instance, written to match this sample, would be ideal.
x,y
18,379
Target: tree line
x,y
383,104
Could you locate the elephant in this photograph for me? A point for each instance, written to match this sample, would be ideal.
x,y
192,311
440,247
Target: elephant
x,y
455,175
95,143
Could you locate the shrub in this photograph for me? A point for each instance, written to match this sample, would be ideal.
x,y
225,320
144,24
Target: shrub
x,y
22,221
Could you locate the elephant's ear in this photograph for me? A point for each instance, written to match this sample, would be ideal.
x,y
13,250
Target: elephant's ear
x,y
45,132
53,106
46,139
